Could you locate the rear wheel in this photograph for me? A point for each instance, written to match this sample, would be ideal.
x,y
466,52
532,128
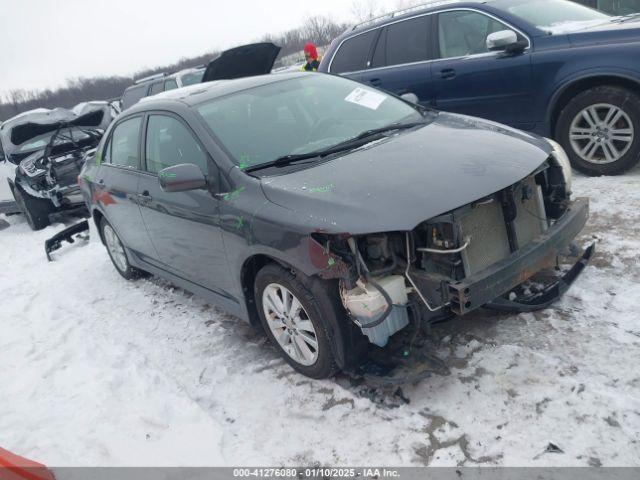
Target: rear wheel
x,y
35,210
117,252
294,322
600,130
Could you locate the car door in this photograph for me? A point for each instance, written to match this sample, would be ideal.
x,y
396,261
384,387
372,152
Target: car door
x,y
116,185
184,227
401,59
471,80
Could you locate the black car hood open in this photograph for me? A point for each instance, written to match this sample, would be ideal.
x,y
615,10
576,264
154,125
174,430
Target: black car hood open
x,y
243,61
396,184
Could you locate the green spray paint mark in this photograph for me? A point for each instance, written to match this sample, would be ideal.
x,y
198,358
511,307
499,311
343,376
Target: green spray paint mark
x,y
239,223
323,189
233,195
246,160
331,262
168,175
98,158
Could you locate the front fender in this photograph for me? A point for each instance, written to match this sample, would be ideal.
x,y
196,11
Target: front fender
x,y
595,73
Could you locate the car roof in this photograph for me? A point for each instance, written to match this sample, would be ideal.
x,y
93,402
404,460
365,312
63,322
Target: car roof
x,y
202,92
410,12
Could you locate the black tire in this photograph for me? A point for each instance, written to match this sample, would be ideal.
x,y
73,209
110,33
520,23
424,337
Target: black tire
x,y
621,98
325,364
35,210
126,270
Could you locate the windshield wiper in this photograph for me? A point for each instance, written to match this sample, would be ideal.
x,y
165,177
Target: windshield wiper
x,y
349,144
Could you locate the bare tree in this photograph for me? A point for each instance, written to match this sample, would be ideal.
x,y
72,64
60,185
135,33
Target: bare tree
x,y
363,10
320,30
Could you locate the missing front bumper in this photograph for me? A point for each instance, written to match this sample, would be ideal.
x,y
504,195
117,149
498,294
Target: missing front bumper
x,y
541,253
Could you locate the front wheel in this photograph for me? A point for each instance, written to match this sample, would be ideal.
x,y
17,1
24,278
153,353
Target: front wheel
x,y
294,322
600,130
35,210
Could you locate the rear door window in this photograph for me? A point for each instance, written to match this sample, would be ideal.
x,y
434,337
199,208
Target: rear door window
x,y
169,142
123,150
353,54
407,41
133,95
156,88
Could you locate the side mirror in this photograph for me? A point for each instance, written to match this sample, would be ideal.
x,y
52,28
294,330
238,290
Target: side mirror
x,y
181,178
411,98
506,40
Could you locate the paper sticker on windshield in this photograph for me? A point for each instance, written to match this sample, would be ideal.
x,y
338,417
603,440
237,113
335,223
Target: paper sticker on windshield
x,y
366,98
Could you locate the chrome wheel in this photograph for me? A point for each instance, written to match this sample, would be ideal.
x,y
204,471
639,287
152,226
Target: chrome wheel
x,y
115,248
601,133
290,324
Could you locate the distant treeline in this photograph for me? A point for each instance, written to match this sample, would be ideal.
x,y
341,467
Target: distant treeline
x,y
320,30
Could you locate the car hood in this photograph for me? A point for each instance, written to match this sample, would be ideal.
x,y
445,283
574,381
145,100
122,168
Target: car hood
x,y
398,183
243,61
26,126
607,32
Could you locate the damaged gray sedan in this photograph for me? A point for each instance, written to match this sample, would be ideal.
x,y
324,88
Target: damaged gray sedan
x,y
333,214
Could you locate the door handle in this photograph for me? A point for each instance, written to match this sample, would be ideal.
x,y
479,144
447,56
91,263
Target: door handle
x,y
375,82
448,74
144,196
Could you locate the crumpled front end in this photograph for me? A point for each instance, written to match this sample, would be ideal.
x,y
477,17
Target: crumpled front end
x,y
53,177
499,251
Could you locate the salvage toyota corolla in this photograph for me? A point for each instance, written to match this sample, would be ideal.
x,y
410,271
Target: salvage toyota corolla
x,y
332,213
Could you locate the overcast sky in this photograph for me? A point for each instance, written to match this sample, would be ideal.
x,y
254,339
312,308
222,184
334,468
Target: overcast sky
x,y
45,42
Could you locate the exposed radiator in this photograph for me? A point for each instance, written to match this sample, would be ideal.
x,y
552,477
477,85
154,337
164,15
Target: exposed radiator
x,y
489,242
485,226
532,219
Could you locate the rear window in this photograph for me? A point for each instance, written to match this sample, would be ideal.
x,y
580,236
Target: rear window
x,y
353,54
192,78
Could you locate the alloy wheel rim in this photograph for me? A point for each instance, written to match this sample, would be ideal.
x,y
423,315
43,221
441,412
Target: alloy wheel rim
x,y
601,133
290,324
115,248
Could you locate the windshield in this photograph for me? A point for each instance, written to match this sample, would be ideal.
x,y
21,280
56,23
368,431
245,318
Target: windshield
x,y
39,143
192,78
554,16
299,116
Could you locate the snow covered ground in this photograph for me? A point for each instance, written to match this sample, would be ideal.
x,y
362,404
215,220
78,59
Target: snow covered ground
x,y
95,370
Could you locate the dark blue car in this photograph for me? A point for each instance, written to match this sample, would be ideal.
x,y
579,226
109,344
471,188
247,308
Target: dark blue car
x,y
552,67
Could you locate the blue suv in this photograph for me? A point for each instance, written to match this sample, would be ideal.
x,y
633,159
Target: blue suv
x,y
552,67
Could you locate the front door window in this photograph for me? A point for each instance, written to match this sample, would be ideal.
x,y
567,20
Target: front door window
x,y
465,32
170,143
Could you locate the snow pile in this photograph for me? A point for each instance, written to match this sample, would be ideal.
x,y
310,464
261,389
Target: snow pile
x,y
99,371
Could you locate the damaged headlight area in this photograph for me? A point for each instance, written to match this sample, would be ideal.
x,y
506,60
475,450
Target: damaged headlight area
x,y
53,177
470,257
562,160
